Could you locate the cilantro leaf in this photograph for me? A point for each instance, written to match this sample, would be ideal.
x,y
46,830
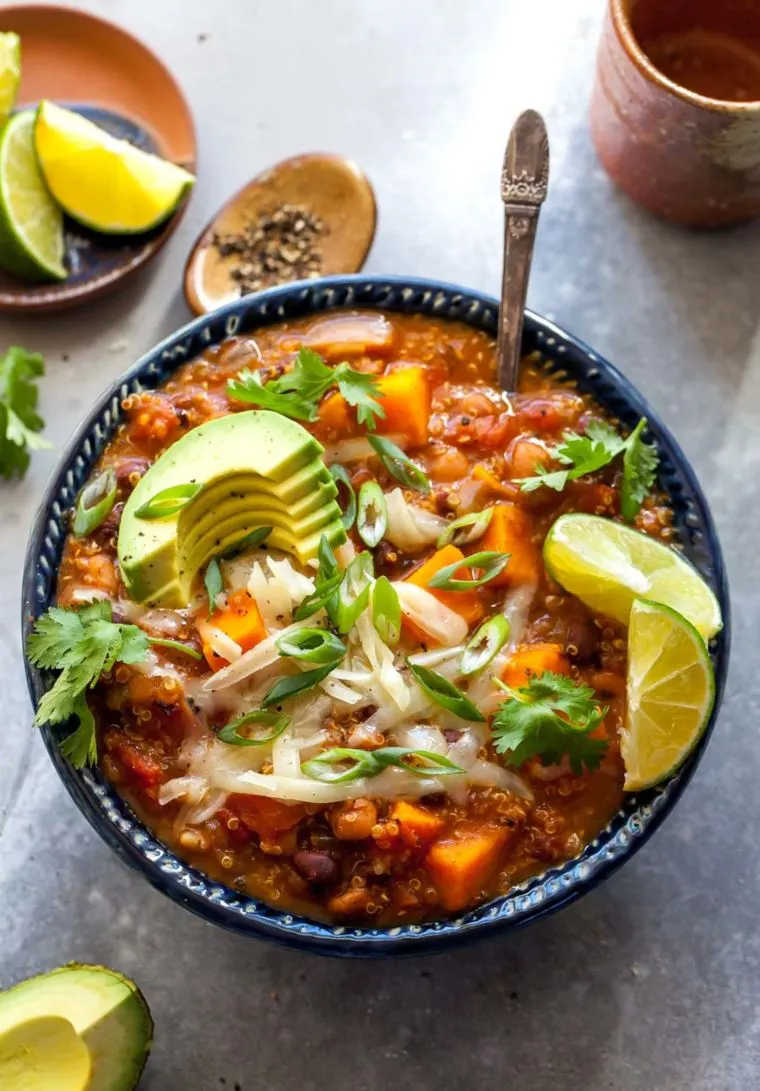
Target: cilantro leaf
x,y
358,390
640,463
299,391
551,717
82,644
19,420
248,387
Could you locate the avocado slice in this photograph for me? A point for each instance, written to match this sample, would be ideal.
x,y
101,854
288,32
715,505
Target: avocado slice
x,y
88,1026
255,468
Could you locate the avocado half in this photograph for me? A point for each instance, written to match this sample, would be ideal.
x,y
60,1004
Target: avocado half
x,y
255,469
77,1028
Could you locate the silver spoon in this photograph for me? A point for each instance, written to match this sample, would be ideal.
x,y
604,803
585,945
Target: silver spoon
x,y
524,181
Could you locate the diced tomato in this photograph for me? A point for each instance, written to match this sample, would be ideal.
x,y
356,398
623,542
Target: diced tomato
x,y
145,770
266,817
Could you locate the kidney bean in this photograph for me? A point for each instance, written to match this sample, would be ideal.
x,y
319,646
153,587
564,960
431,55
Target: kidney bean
x,y
315,866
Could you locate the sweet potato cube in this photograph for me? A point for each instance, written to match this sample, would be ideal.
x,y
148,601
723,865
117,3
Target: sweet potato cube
x,y
531,660
465,603
241,621
417,825
405,396
510,532
459,865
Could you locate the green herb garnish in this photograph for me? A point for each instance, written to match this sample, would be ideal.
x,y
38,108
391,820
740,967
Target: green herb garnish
x,y
175,645
489,564
600,445
466,529
285,688
341,476
82,644
342,764
168,501
398,465
551,717
19,420
386,611
213,583
372,518
275,722
95,503
312,646
640,462
485,644
298,392
445,693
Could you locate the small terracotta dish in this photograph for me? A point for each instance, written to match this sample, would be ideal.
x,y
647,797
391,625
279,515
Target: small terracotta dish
x,y
90,65
328,187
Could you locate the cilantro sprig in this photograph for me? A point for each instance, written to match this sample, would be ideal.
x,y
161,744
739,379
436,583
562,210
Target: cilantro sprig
x,y
551,717
19,420
585,454
298,392
82,644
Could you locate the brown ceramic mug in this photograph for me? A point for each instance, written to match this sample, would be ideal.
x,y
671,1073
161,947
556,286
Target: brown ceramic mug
x,y
675,113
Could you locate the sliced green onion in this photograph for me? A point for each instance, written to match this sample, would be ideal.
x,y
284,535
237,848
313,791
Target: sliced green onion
x,y
432,764
445,693
341,765
95,503
319,598
485,644
275,721
247,542
386,611
285,688
341,476
176,645
213,583
372,520
353,593
312,646
471,526
168,501
399,465
328,562
491,564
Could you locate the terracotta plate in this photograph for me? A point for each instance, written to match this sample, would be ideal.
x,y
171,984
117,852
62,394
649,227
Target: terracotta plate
x,y
93,66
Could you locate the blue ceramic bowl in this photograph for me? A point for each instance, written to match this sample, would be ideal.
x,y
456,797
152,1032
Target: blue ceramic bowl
x,y
640,815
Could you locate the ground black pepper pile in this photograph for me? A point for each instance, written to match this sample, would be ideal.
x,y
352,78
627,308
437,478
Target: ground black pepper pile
x,y
282,244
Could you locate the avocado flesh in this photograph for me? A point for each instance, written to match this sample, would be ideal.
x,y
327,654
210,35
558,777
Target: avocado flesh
x,y
44,1052
255,469
107,1012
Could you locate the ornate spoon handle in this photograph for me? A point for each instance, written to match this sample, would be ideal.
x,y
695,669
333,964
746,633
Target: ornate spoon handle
x,y
524,181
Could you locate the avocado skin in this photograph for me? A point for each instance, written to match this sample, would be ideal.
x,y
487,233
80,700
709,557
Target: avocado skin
x,y
114,1069
275,472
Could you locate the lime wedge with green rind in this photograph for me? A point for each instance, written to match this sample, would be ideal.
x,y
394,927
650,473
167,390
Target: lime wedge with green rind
x,y
670,693
10,73
31,223
608,566
101,182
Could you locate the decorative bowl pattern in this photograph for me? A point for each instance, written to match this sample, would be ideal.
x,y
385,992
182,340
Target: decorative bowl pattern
x,y
640,815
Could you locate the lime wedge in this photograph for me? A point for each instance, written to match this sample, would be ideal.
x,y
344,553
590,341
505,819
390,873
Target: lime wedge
x,y
608,565
104,183
31,223
10,73
671,690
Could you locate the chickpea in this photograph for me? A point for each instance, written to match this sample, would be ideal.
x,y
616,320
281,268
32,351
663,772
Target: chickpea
x,y
448,464
101,573
354,820
525,456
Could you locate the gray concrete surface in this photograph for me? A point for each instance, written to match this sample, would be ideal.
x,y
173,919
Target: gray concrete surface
x,y
653,980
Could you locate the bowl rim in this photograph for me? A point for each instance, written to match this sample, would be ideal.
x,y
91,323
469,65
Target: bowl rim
x,y
112,818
